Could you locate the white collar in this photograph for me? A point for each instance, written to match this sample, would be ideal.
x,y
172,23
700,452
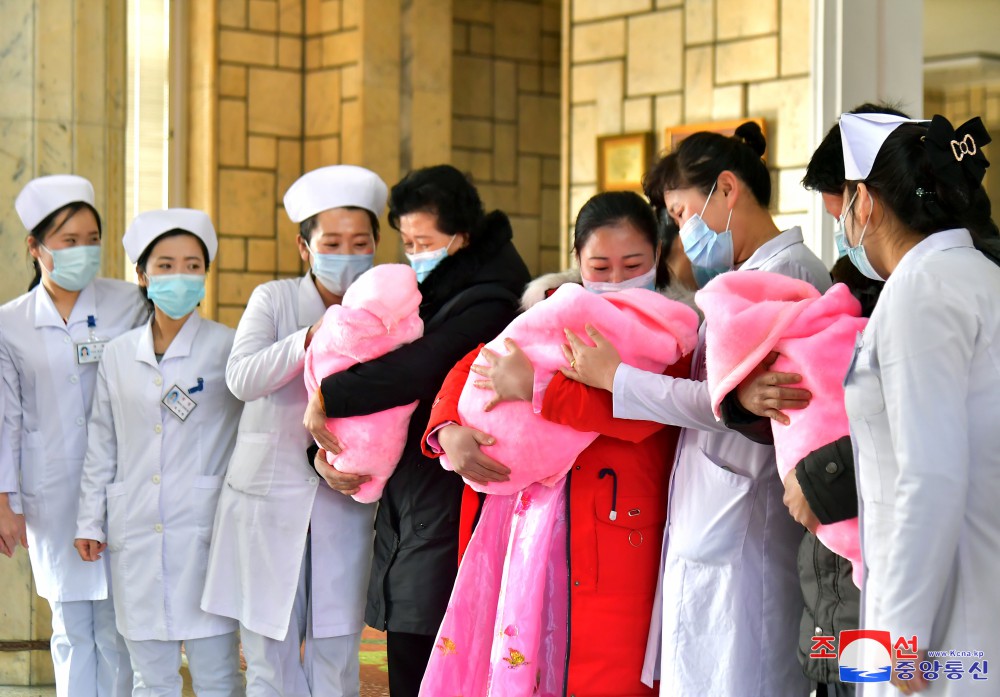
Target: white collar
x,y
937,241
773,247
180,347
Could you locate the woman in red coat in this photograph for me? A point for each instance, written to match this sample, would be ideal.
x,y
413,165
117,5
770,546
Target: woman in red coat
x,y
613,559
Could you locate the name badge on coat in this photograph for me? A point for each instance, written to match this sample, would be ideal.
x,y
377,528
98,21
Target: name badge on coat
x,y
89,351
179,402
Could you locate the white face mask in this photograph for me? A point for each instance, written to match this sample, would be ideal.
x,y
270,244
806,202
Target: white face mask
x,y
646,280
425,262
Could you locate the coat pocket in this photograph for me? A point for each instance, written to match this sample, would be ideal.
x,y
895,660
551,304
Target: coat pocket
x,y
628,547
33,463
251,468
710,515
117,515
206,498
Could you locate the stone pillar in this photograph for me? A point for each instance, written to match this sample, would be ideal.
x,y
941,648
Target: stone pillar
x,y
63,111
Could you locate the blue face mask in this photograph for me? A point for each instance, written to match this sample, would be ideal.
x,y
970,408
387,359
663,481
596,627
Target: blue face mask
x,y
646,280
857,253
840,238
710,253
74,268
425,262
338,271
177,295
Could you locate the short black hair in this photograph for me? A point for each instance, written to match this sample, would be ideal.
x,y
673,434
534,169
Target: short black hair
x,y
825,171
702,157
308,226
443,191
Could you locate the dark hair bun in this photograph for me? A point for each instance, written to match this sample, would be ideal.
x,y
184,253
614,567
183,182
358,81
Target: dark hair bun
x,y
749,132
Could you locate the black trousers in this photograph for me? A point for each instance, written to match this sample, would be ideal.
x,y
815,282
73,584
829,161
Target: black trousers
x,y
407,656
835,689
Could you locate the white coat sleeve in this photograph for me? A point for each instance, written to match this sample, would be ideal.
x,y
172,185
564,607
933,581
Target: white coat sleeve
x,y
10,430
260,363
101,463
924,358
645,396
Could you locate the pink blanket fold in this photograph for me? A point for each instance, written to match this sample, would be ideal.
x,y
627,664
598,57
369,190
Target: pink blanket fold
x,y
650,331
748,315
379,313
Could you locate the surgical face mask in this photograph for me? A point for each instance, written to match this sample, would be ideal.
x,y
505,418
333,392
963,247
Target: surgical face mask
x,y
857,253
646,280
840,238
710,253
74,268
338,271
425,262
177,295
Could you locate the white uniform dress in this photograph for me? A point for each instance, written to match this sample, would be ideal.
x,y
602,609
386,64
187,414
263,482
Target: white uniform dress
x,y
261,569
726,615
923,398
48,404
155,480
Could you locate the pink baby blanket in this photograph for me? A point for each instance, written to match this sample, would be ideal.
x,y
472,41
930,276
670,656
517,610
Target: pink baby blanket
x,y
650,332
748,315
379,313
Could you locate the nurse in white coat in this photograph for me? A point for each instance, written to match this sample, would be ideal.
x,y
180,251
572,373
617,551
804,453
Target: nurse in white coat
x,y
726,615
923,393
290,557
51,339
162,429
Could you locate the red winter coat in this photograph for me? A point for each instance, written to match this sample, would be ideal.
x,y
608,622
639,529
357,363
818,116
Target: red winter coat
x,y
613,564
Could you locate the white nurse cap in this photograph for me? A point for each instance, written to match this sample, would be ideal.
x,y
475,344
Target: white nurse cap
x,y
862,136
148,226
335,186
45,195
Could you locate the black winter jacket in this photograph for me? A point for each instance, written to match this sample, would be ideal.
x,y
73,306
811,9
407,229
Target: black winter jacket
x,y
467,300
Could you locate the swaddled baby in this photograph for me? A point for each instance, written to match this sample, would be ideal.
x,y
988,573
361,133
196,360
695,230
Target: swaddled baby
x,y
650,332
749,315
379,313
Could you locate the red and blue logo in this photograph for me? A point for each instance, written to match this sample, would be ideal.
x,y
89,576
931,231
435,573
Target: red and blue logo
x,y
865,655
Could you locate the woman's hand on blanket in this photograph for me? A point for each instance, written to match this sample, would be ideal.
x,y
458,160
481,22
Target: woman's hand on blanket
x,y
89,550
918,683
762,392
312,331
463,446
347,484
12,528
315,422
510,377
592,365
797,504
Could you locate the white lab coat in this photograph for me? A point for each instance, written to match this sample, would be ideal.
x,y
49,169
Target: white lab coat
x,y
156,479
727,609
48,404
273,497
923,398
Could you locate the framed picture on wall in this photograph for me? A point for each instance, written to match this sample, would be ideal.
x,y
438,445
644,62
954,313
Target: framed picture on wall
x,y
622,160
673,136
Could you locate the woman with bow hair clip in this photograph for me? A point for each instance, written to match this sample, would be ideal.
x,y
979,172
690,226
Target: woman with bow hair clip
x,y
921,396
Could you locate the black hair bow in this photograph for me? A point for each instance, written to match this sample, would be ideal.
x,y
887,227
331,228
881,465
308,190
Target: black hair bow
x,y
956,153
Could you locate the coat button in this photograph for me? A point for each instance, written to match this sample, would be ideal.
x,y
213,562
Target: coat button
x,y
80,421
818,631
74,379
157,381
576,583
313,480
65,339
158,428
158,527
831,468
156,479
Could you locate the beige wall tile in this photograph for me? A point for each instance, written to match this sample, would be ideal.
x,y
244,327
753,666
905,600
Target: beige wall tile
x,y
698,83
529,185
322,103
247,47
264,15
518,29
791,196
737,18
54,147
350,81
472,133
262,255
588,80
500,196
290,16
526,239
232,81
552,16
610,97
551,47
478,164
699,21
504,90
54,65
539,125
460,37
584,10
795,38
750,60
314,52
313,17
351,13
529,77
14,666
474,10
727,102
599,40
17,67
653,71
232,254
549,229
330,13
551,171
480,40
233,13
579,194
638,114
262,152
235,287
668,111
90,64
289,164
550,260
246,202
787,114
230,315
505,154
232,132
275,102
551,80
290,52
472,95
342,48
289,260
320,152
583,153
351,134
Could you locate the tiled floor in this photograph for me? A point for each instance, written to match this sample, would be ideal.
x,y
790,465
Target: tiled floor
x,y
374,678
